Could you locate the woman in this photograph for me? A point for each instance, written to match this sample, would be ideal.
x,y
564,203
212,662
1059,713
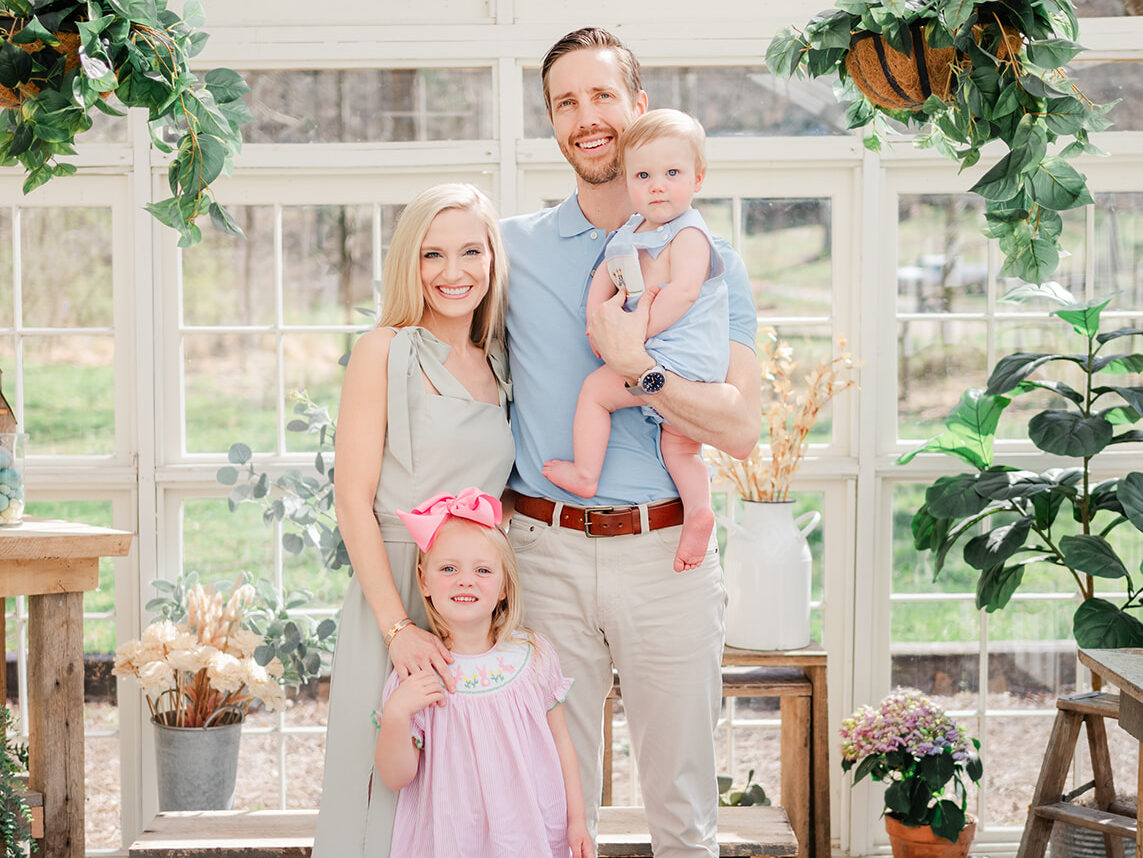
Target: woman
x,y
423,411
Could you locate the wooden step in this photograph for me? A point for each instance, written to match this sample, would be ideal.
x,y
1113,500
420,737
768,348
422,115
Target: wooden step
x,y
1103,821
1093,703
742,831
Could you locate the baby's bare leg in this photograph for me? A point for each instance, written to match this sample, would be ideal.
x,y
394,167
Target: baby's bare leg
x,y
683,458
602,392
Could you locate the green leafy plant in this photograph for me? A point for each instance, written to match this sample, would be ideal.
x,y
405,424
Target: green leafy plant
x,y
60,60
1006,84
748,795
15,815
912,745
303,502
1023,511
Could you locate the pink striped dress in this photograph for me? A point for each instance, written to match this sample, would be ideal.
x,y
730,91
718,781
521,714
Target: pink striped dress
x,y
489,784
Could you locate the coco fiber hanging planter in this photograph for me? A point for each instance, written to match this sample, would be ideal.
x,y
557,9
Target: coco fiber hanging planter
x,y
892,79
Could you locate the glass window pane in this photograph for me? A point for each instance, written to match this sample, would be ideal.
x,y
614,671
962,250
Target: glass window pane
x,y
69,395
219,544
1107,8
312,366
101,792
231,391
786,246
942,256
70,288
926,623
936,361
913,569
1011,765
1119,248
1070,272
369,105
727,100
228,280
1107,81
1040,335
307,758
6,309
327,266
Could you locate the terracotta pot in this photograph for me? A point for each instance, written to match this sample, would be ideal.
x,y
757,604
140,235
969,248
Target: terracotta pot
x,y
921,842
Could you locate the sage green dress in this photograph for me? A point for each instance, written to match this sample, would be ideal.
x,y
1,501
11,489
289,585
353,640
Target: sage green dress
x,y
433,444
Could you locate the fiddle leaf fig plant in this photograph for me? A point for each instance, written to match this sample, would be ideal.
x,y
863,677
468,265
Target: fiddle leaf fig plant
x,y
965,74
1010,517
60,60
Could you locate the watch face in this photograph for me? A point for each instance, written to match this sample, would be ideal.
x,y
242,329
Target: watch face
x,y
652,381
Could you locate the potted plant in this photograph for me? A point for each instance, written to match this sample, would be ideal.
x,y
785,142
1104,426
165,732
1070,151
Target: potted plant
x,y
909,743
15,814
204,664
973,73
62,59
1064,515
768,564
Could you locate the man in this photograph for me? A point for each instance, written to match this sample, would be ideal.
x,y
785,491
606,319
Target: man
x,y
617,599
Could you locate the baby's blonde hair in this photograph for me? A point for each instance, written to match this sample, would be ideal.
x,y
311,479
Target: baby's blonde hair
x,y
664,122
403,301
507,613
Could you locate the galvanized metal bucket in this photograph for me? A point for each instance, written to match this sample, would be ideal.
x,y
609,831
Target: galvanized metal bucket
x,y
197,766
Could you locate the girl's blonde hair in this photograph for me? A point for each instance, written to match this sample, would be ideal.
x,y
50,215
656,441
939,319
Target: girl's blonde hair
x,y
664,122
403,301
507,613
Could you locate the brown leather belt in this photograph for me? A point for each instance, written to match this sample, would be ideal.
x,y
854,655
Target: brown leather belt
x,y
602,520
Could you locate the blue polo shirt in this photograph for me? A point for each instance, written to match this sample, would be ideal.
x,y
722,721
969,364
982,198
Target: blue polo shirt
x,y
551,257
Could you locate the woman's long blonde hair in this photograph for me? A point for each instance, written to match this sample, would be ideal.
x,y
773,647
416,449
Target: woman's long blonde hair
x,y
507,613
403,301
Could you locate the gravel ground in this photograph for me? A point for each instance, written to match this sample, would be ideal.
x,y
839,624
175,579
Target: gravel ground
x,y
1012,753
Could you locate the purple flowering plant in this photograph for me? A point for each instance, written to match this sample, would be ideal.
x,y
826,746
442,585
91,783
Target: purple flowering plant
x,y
912,745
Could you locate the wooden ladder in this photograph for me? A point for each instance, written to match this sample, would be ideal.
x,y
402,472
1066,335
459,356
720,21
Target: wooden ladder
x,y
1049,804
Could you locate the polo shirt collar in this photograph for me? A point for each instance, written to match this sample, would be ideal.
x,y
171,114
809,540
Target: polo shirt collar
x,y
572,220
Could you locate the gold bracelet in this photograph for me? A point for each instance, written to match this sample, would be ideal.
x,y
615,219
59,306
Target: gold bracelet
x,y
397,626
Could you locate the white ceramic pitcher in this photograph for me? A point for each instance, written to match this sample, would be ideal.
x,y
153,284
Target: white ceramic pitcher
x,y
768,569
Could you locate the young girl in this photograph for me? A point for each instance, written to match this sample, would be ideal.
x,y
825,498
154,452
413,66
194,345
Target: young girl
x,y
665,242
490,770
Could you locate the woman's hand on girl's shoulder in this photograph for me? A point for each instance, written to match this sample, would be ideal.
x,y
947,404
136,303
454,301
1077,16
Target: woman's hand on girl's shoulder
x,y
415,692
414,650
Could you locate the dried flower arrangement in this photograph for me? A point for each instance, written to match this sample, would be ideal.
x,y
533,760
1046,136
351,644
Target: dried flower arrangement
x,y
765,475
210,660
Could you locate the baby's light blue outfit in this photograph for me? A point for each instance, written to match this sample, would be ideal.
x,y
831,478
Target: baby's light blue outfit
x,y
697,346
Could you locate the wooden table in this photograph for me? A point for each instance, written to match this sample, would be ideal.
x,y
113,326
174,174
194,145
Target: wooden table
x,y
803,721
53,563
798,679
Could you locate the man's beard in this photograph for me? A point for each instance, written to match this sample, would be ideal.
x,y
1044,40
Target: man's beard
x,y
592,173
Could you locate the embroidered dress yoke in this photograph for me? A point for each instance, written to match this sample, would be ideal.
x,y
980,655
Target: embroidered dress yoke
x,y
434,442
697,346
489,783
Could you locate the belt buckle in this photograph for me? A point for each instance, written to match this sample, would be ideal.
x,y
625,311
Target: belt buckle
x,y
588,511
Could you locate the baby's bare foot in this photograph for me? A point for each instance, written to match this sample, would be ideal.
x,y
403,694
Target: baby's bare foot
x,y
693,541
570,478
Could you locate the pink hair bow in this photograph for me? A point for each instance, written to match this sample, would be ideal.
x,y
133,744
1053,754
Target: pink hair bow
x,y
426,519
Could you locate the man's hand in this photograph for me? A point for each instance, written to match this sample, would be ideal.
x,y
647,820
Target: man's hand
x,y
618,336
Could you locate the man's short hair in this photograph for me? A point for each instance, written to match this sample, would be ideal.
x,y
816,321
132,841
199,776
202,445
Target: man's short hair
x,y
664,122
593,37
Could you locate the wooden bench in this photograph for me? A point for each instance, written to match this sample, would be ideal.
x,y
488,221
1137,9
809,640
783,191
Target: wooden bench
x,y
742,831
798,679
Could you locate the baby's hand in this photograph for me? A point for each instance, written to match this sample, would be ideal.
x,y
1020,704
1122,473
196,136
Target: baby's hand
x,y
580,841
417,691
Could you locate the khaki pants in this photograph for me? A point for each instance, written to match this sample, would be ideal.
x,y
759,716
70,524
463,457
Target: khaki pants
x,y
617,600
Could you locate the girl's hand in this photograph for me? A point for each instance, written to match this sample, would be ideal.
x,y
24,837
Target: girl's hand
x,y
414,649
580,841
417,691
